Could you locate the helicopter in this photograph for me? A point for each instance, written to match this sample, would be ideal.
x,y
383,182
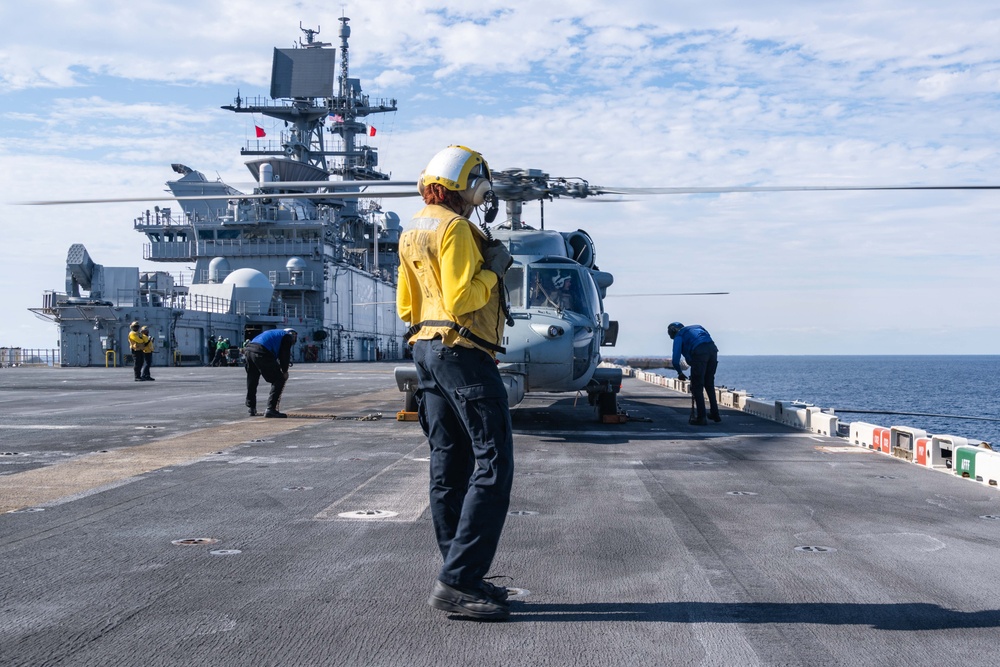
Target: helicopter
x,y
555,294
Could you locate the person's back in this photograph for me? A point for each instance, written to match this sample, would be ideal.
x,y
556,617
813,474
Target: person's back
x,y
449,292
269,356
695,344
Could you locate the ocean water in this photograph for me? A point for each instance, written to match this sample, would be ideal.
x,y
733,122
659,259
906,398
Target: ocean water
x,y
965,386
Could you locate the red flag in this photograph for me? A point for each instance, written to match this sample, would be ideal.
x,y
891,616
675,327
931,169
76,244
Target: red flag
x,y
260,131
371,130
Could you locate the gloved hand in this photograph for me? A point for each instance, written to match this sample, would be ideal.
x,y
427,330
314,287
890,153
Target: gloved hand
x,y
682,377
496,258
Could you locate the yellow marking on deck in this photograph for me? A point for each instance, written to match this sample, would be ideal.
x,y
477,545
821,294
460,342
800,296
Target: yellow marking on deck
x,y
38,486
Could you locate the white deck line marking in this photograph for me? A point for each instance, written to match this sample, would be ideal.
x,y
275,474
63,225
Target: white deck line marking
x,y
401,487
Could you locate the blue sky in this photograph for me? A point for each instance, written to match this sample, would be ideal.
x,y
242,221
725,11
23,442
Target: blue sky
x,y
632,93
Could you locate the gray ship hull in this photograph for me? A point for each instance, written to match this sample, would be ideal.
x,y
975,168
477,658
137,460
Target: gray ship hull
x,y
646,543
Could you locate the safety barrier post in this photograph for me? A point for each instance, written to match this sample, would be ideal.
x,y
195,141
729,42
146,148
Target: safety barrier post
x,y
921,450
881,440
942,451
760,409
792,413
113,357
988,467
863,434
823,423
731,399
901,441
965,461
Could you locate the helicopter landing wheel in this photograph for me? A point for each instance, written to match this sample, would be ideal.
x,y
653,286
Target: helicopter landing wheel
x,y
410,401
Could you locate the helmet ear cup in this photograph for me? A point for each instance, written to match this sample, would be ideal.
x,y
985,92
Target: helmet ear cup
x,y
475,194
420,183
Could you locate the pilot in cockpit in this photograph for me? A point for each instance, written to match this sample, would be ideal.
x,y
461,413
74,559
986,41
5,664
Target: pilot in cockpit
x,y
554,289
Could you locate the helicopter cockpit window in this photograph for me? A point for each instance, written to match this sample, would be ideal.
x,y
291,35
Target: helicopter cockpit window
x,y
559,288
513,280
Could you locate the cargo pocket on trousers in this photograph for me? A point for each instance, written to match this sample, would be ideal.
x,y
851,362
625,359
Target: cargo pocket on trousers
x,y
485,415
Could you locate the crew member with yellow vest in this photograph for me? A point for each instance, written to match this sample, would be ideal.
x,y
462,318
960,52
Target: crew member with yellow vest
x,y
148,354
137,342
450,292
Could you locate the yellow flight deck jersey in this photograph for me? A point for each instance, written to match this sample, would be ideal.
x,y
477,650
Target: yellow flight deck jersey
x,y
442,280
137,341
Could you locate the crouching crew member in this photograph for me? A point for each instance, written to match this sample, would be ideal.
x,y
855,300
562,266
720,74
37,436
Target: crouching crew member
x,y
450,275
698,348
269,354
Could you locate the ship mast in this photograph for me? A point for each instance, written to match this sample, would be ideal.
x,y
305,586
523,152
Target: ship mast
x,y
308,112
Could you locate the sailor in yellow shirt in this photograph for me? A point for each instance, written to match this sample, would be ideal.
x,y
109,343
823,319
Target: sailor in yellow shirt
x,y
450,292
137,342
148,354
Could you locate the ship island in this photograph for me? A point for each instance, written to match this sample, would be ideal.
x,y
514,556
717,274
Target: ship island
x,y
307,250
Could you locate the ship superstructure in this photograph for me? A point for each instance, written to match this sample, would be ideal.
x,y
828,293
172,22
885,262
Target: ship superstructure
x,y
323,266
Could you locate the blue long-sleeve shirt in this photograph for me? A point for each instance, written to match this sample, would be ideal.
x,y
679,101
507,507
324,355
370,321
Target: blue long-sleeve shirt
x,y
279,343
686,340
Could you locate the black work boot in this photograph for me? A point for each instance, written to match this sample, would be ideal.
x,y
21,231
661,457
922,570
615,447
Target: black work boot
x,y
274,413
468,601
714,416
698,421
251,408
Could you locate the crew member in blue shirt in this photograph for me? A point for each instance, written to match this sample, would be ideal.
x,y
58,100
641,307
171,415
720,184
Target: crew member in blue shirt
x,y
270,355
701,354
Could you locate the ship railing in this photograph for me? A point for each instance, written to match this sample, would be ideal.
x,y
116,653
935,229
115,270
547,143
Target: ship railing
x,y
285,279
291,311
169,250
161,217
253,308
204,303
189,250
11,357
166,298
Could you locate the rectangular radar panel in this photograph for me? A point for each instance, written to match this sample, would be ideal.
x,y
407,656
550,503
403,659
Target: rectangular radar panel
x,y
302,73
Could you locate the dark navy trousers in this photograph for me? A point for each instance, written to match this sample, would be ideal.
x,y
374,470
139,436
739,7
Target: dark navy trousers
x,y
704,362
464,414
260,361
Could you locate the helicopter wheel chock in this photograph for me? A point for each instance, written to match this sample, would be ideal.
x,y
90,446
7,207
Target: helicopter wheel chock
x,y
607,408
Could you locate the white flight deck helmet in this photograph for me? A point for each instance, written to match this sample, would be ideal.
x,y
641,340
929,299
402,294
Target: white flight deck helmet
x,y
461,170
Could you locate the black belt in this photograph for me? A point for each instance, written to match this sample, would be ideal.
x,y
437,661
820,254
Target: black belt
x,y
462,331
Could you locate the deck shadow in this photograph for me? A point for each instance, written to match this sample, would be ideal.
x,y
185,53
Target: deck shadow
x,y
907,616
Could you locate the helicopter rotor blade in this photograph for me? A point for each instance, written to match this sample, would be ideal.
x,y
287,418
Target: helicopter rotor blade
x,y
271,195
330,185
597,189
668,294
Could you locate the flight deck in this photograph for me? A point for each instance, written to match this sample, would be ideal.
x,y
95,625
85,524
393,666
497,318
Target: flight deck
x,y
156,523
